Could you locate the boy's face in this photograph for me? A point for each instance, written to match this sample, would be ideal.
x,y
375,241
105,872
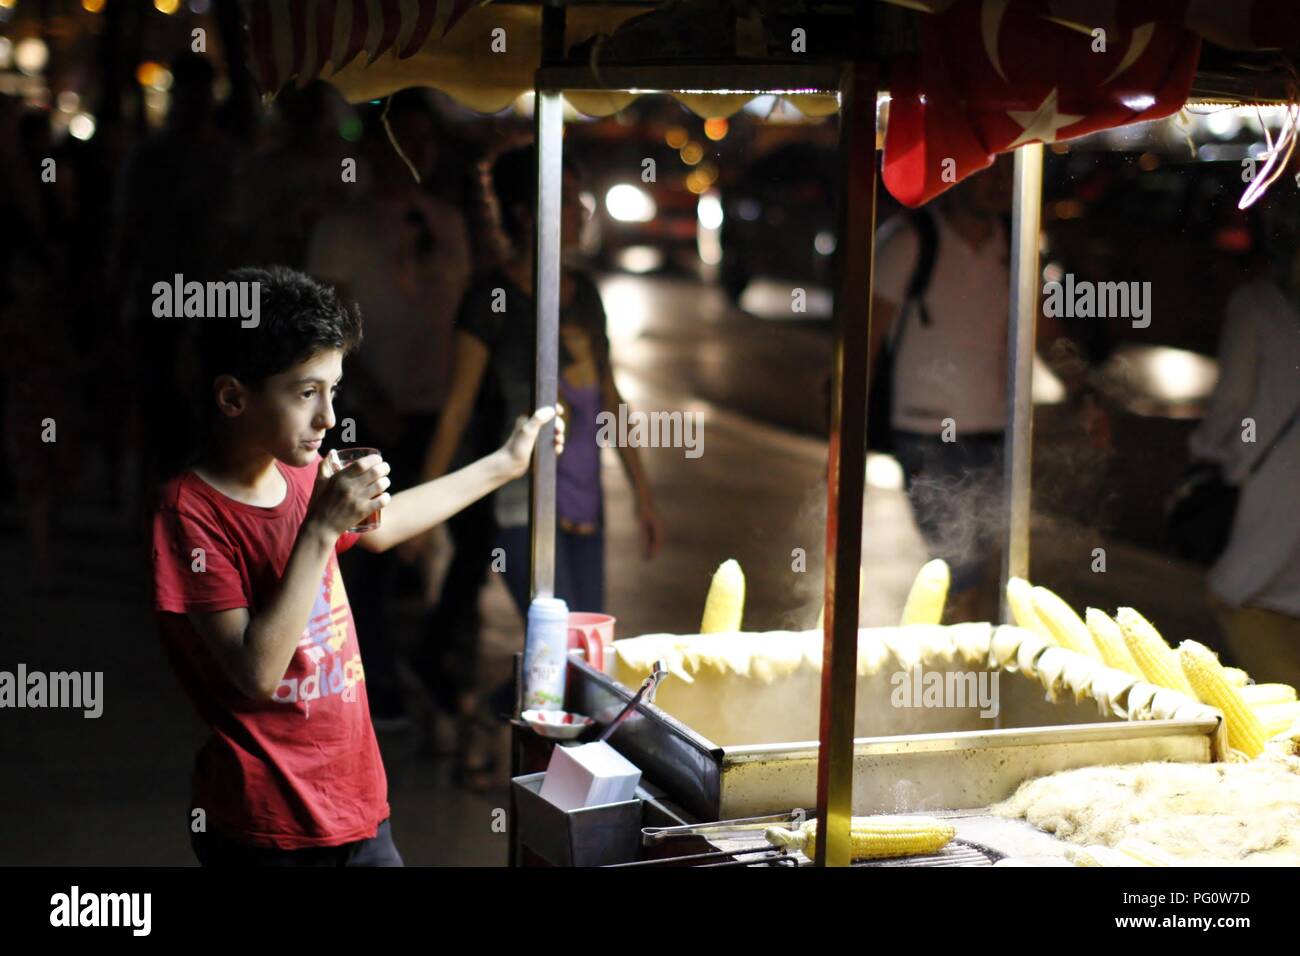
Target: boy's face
x,y
290,414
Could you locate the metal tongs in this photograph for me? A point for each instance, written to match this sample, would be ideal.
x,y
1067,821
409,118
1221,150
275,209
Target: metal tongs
x,y
647,690
650,836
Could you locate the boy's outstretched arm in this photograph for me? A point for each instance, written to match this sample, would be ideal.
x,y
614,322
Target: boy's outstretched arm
x,y
417,510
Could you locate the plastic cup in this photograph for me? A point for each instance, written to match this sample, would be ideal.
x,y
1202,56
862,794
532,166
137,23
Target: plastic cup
x,y
346,457
587,629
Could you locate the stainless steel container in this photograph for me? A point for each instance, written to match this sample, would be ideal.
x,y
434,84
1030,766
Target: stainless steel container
x,y
959,769
593,836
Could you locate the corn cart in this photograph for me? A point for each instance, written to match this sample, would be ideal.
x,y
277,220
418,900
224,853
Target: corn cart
x,y
712,749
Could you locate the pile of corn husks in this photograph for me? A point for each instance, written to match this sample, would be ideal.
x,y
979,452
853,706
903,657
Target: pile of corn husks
x,y
1214,814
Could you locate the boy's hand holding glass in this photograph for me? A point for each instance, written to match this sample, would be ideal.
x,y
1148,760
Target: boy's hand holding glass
x,y
351,490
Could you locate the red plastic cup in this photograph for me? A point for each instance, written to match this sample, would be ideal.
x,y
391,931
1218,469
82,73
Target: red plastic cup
x,y
594,634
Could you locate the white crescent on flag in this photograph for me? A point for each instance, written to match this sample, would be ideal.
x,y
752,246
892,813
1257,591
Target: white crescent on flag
x,y
1137,45
991,14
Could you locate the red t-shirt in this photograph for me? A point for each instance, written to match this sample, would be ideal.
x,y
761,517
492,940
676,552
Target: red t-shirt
x,y
303,769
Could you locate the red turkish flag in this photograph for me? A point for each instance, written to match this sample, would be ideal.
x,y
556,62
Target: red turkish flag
x,y
994,74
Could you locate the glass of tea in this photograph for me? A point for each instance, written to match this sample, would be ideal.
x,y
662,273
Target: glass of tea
x,y
346,457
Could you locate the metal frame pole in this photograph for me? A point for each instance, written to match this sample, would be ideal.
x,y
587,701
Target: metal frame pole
x,y
1026,215
846,474
546,284
548,119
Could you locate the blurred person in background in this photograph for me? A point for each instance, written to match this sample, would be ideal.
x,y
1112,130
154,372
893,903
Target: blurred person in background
x,y
39,362
403,256
1254,586
493,370
172,201
282,192
939,314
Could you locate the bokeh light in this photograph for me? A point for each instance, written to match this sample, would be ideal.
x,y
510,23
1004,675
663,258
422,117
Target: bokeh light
x,y
150,73
31,55
716,128
82,126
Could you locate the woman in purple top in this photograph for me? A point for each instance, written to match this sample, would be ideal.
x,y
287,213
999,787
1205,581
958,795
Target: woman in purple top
x,y
491,382
494,352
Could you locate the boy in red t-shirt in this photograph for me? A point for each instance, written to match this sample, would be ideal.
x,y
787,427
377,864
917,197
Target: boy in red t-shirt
x,y
250,602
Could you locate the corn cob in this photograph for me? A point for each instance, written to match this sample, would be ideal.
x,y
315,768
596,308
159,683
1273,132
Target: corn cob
x,y
1066,626
1205,674
1276,718
1236,676
929,592
873,838
1157,659
725,605
1110,642
1257,695
1020,598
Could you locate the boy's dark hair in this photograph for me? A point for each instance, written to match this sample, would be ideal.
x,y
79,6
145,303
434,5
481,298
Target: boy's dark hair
x,y
512,184
298,317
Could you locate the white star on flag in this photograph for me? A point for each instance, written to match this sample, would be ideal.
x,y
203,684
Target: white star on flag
x,y
1041,124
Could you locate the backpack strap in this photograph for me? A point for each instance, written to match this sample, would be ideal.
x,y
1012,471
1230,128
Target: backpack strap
x,y
1277,440
927,235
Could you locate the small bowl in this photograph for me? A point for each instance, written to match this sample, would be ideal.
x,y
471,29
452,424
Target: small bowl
x,y
557,724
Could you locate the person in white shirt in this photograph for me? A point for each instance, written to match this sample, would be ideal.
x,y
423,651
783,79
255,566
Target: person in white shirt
x,y
949,348
1250,433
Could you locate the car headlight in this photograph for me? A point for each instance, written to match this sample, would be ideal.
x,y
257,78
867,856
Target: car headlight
x,y
628,203
709,211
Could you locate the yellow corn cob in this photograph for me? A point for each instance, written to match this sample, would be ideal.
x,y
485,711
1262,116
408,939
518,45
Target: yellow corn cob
x,y
873,838
1020,598
1157,659
1147,854
1257,695
725,605
1276,718
1236,676
929,592
1110,642
1066,626
1205,674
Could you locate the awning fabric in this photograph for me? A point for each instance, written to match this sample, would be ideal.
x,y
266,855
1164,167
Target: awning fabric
x,y
370,48
989,75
